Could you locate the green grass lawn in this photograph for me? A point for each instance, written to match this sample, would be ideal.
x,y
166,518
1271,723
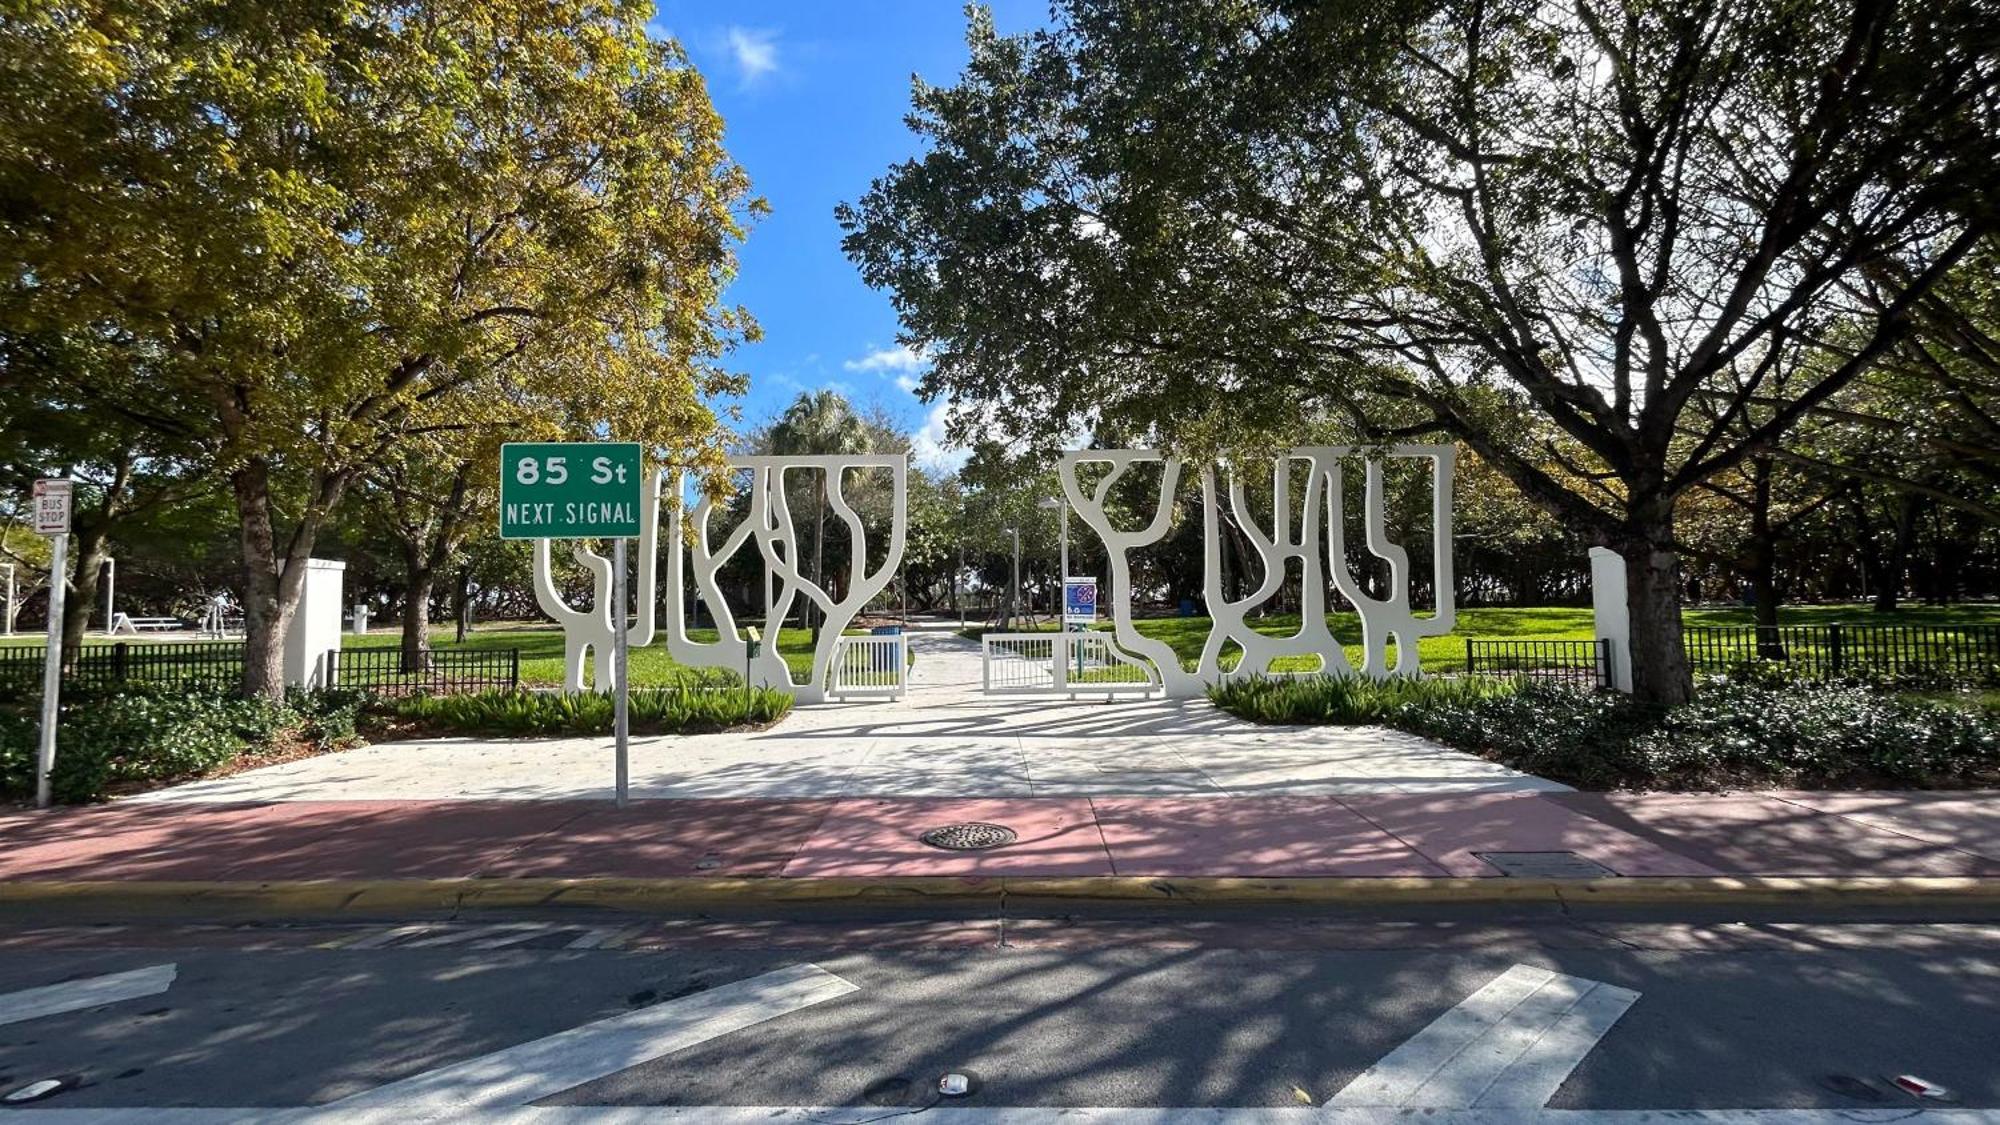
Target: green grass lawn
x,y
541,644
1446,653
541,648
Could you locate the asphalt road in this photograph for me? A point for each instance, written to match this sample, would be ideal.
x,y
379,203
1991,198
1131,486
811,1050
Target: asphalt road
x,y
1147,1011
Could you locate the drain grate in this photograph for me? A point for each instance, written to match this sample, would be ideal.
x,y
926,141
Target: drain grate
x,y
972,836
1546,865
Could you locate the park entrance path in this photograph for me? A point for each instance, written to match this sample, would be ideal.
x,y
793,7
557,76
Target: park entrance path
x,y
944,739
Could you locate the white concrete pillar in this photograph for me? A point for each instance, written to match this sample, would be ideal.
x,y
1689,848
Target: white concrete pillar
x,y
1612,612
313,642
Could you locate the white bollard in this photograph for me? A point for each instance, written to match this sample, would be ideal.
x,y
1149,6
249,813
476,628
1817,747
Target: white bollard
x,y
312,644
1612,612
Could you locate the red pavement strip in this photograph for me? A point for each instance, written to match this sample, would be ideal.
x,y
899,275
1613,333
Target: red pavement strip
x,y
1874,834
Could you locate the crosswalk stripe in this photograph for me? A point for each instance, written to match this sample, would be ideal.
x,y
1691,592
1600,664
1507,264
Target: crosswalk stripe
x,y
996,1115
518,1075
604,936
91,992
1511,1043
389,937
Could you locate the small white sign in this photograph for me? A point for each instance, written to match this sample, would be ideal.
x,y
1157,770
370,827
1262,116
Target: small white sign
x,y
51,502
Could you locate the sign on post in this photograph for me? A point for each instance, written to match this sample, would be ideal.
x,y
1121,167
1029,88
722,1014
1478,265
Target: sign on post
x,y
570,489
1079,601
51,503
582,490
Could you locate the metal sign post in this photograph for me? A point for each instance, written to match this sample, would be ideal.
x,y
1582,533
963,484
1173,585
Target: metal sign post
x,y
621,722
583,490
51,505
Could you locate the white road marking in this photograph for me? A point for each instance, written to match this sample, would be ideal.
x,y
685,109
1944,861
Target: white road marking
x,y
389,936
1511,1044
91,992
604,937
522,1074
999,1115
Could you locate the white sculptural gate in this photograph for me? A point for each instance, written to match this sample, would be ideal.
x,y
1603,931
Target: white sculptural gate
x,y
769,522
1320,536
1315,535
587,632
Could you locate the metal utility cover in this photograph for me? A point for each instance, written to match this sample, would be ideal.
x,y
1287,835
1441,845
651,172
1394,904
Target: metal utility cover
x,y
1546,865
971,836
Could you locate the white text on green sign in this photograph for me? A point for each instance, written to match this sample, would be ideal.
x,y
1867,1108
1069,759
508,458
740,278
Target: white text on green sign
x,y
570,490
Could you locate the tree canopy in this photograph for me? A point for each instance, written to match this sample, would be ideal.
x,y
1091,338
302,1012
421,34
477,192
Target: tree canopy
x,y
1617,220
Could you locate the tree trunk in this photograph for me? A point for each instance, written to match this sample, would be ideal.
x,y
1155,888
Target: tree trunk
x,y
80,600
1891,577
462,598
271,583
417,584
1652,592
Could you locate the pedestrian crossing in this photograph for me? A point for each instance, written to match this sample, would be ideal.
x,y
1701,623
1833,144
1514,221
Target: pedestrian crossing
x,y
490,936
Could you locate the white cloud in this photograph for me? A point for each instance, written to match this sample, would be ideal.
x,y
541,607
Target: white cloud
x,y
898,359
755,52
927,445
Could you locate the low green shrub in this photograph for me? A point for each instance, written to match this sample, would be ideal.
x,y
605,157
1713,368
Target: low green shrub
x,y
111,739
1344,699
1758,730
681,709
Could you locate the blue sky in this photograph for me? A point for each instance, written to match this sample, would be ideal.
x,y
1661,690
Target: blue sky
x,y
814,96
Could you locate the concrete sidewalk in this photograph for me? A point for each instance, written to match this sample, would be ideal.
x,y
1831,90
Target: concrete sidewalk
x,y
1388,836
945,738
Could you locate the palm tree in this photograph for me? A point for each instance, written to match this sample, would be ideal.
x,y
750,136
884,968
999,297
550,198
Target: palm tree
x,y
819,423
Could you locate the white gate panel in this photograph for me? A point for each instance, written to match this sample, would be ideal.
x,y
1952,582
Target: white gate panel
x,y
1061,664
869,666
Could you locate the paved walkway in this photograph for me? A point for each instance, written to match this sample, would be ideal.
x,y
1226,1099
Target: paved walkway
x,y
1130,788
945,738
1640,835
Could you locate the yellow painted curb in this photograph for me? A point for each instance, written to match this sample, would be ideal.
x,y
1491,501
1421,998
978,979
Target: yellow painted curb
x,y
390,896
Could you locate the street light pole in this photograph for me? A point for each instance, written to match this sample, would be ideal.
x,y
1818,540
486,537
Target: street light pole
x,y
1013,580
8,611
110,591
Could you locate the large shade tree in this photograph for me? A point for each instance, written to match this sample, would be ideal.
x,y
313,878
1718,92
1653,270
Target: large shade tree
x,y
1211,220
325,226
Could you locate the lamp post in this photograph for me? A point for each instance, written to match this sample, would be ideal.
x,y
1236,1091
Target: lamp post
x,y
1013,579
8,613
1057,503
956,601
110,589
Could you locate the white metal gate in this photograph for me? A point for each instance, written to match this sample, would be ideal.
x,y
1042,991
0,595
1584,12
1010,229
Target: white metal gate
x,y
1061,664
874,665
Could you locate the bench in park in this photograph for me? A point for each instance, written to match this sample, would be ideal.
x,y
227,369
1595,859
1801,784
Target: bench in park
x,y
122,624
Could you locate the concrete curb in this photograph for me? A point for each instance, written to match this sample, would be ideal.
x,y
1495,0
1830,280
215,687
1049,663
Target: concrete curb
x,y
391,896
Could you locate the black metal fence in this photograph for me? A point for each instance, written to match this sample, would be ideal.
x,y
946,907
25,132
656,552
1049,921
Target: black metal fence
x,y
1585,663
379,671
1838,649
220,664
189,664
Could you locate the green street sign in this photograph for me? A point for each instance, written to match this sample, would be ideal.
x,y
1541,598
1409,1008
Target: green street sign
x,y
570,489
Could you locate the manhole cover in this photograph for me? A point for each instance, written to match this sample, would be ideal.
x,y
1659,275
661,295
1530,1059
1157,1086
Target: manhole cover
x,y
1546,865
972,836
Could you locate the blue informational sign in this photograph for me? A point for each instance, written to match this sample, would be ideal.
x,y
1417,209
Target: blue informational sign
x,y
1079,601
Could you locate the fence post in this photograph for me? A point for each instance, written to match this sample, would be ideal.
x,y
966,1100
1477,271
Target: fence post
x,y
1469,669
514,669
1834,648
120,663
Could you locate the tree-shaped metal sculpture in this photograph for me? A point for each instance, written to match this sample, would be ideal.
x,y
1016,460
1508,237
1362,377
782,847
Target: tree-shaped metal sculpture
x,y
770,524
1385,620
587,632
